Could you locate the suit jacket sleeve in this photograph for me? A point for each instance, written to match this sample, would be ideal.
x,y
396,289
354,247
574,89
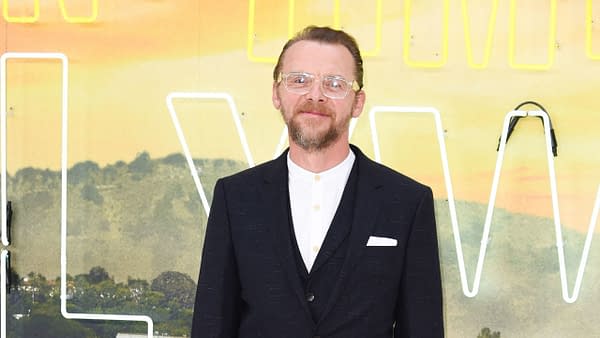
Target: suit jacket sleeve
x,y
419,310
216,310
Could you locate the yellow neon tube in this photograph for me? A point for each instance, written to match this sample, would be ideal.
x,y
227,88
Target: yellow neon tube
x,y
251,25
588,31
378,24
336,14
290,28
21,19
551,40
488,41
406,42
79,19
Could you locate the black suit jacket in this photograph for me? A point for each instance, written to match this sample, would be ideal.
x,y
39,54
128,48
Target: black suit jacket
x,y
249,286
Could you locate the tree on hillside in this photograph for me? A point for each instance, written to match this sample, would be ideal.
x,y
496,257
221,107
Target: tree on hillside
x,y
176,159
37,286
487,333
142,164
83,172
97,275
89,192
27,174
176,286
29,178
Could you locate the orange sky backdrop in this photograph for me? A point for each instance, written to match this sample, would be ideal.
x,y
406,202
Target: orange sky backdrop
x,y
124,64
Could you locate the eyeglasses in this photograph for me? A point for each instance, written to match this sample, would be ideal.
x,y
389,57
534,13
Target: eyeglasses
x,y
332,86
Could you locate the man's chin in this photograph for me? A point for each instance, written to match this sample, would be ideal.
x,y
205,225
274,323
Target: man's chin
x,y
314,141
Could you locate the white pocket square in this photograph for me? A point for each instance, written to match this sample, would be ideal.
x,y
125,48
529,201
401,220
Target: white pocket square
x,y
382,241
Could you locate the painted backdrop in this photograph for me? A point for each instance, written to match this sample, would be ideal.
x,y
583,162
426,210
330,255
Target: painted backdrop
x,y
119,116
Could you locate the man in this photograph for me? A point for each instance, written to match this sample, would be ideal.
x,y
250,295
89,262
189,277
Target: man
x,y
321,242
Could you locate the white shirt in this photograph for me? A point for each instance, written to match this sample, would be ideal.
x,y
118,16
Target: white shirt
x,y
314,199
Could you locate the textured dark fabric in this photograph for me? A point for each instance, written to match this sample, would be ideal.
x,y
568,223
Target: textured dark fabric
x,y
249,285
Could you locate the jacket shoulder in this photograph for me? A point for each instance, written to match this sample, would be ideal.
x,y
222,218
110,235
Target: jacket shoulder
x,y
390,177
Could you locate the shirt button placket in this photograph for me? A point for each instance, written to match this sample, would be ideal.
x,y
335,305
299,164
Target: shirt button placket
x,y
317,195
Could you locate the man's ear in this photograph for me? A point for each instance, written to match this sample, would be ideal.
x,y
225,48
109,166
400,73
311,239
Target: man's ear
x,y
359,103
275,97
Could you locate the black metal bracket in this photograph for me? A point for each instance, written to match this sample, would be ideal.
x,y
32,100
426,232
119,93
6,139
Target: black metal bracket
x,y
8,271
513,123
9,213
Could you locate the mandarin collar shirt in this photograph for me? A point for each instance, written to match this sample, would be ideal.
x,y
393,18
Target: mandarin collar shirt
x,y
314,199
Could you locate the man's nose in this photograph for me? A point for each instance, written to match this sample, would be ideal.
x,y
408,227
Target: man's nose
x,y
315,93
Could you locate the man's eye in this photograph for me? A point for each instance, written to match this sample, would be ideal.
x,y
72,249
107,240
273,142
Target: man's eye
x,y
299,79
335,83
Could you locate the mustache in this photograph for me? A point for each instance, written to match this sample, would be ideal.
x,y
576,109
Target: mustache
x,y
315,106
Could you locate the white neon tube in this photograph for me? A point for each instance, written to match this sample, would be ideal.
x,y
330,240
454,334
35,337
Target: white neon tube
x,y
492,198
186,150
63,212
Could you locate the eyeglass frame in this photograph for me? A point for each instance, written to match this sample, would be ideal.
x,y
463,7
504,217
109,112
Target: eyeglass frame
x,y
352,85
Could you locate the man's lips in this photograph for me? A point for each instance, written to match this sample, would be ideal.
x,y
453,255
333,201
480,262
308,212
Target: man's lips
x,y
314,113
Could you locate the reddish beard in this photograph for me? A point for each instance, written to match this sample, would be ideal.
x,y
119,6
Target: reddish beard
x,y
307,133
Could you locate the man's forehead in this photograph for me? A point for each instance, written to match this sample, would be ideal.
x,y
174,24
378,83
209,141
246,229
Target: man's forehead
x,y
319,56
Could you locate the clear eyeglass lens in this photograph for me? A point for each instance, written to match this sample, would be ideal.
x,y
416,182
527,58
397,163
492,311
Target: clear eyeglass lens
x,y
298,81
332,86
335,86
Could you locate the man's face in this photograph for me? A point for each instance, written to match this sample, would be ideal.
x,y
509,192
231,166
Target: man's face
x,y
314,120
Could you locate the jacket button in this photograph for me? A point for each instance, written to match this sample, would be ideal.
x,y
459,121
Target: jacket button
x,y
310,297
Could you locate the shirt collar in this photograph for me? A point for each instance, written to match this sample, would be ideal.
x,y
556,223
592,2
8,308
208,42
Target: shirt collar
x,y
297,172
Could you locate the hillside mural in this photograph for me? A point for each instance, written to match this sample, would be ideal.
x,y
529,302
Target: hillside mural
x,y
135,233
135,221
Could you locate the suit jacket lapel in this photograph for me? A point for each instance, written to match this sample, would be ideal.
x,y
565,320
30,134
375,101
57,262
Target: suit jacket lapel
x,y
276,204
367,203
341,223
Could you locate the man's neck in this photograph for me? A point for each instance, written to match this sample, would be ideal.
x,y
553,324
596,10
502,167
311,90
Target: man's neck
x,y
318,161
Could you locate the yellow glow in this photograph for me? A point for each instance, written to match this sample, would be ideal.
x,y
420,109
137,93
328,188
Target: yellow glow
x,y
290,28
378,23
79,19
291,16
336,14
21,19
407,34
251,24
551,40
588,31
488,41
